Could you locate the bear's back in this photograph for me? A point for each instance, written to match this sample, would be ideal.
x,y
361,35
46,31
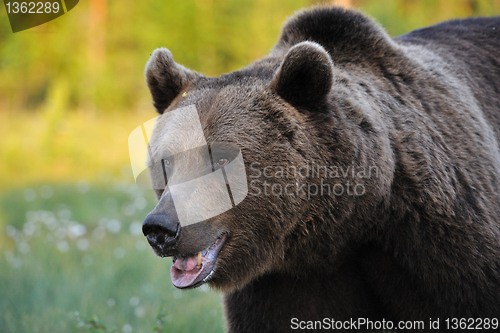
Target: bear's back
x,y
472,46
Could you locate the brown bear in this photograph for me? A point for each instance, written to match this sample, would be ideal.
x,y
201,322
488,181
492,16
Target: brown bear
x,y
373,172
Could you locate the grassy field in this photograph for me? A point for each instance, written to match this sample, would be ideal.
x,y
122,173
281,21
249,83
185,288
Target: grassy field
x,y
72,254
73,259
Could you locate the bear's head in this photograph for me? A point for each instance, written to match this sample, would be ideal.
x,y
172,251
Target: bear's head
x,y
303,143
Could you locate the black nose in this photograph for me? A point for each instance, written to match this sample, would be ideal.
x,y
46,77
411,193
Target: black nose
x,y
162,232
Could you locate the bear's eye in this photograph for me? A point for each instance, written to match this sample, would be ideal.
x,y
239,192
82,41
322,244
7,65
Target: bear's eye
x,y
221,162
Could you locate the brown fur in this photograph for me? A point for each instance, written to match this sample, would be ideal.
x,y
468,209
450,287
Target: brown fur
x,y
424,109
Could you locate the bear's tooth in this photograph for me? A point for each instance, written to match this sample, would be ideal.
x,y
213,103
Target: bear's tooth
x,y
199,259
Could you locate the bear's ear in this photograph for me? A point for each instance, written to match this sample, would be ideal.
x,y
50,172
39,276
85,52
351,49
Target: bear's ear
x,y
305,76
165,78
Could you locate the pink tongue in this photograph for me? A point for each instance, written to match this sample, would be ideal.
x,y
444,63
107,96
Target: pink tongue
x,y
186,264
184,271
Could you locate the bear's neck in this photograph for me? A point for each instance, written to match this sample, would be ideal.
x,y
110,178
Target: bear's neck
x,y
278,302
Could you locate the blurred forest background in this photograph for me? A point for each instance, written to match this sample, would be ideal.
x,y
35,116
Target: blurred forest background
x,y
72,257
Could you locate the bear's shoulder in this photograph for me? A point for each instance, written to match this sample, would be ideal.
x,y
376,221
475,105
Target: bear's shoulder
x,y
347,35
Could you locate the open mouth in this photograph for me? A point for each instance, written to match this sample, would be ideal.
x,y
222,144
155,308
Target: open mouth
x,y
190,272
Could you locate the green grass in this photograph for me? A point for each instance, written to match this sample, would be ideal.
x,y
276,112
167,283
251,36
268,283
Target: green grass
x,y
73,259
